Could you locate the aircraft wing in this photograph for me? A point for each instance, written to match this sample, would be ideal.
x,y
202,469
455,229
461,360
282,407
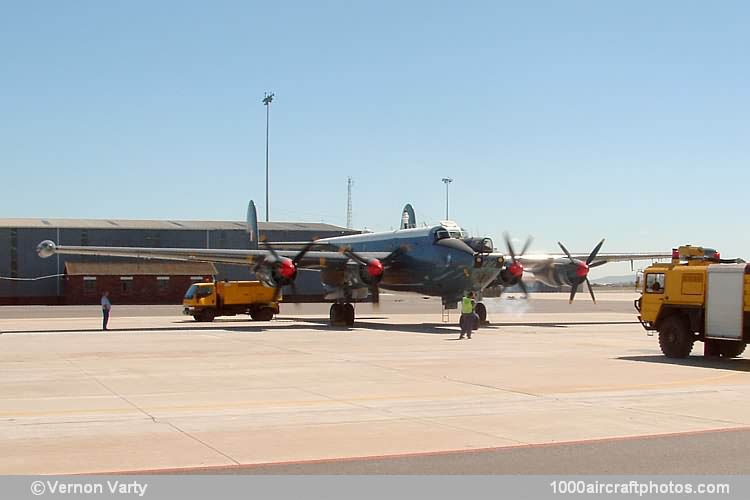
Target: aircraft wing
x,y
311,260
532,260
564,269
624,257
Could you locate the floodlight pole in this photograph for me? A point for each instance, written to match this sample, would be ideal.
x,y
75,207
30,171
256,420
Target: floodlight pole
x,y
267,99
447,181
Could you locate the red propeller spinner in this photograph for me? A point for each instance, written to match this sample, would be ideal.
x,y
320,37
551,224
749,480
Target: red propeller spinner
x,y
582,269
516,269
287,269
375,268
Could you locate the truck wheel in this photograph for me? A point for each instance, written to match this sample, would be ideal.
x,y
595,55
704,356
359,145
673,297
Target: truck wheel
x,y
206,315
730,348
262,314
675,338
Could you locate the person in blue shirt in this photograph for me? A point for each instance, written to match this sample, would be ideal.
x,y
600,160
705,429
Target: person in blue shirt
x,y
106,307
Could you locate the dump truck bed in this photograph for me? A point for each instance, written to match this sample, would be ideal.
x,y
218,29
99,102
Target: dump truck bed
x,y
244,292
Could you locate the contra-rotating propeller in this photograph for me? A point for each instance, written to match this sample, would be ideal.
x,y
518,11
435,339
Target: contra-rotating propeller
x,y
285,267
581,270
373,269
516,268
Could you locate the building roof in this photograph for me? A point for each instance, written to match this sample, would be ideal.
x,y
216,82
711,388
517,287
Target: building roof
x,y
164,224
140,268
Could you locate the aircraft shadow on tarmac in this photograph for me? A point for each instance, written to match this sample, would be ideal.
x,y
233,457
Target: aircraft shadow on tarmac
x,y
448,328
322,324
734,364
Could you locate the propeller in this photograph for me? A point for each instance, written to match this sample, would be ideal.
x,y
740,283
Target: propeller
x,y
374,269
287,268
582,269
516,267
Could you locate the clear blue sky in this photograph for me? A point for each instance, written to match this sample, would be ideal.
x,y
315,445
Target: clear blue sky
x,y
570,121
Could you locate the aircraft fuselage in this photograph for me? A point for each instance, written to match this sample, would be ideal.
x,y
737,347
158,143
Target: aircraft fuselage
x,y
422,265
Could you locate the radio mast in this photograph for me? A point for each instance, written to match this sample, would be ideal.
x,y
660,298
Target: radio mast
x,y
349,203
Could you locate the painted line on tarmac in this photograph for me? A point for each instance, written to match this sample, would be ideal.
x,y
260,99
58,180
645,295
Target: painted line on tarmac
x,y
656,385
367,458
271,404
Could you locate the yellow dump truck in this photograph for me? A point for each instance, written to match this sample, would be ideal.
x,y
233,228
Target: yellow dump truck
x,y
205,301
697,297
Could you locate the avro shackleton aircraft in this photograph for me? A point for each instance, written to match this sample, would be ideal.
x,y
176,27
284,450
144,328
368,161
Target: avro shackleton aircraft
x,y
438,261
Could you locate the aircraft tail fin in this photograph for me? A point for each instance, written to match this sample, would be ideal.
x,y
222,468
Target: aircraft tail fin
x,y
408,219
252,225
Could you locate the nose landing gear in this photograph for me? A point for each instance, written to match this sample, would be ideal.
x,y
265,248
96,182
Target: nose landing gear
x,y
481,311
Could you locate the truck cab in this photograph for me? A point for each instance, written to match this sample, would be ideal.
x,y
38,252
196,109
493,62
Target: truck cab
x,y
201,294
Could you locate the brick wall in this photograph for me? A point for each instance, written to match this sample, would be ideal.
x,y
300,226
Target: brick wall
x,y
139,290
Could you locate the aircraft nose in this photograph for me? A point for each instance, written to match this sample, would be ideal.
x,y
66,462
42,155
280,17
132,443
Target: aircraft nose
x,y
455,244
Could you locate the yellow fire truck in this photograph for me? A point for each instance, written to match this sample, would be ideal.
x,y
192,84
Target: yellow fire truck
x,y
205,301
698,296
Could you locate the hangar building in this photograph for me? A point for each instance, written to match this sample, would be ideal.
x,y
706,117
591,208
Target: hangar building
x,y
71,279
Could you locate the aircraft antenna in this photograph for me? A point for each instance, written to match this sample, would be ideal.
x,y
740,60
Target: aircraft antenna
x,y
349,184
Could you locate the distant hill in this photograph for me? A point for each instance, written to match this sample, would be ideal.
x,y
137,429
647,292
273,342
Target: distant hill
x,y
626,279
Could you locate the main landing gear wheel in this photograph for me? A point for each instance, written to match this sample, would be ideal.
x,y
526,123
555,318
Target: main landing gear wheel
x,y
481,311
342,315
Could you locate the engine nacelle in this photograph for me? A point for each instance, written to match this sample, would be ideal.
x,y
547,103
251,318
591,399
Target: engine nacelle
x,y
355,275
365,275
505,279
559,274
510,275
277,273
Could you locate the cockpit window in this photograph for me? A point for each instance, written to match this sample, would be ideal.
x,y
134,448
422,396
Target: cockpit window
x,y
444,233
